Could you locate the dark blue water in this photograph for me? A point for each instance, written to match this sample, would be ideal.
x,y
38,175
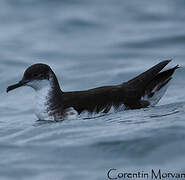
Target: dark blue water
x,y
88,44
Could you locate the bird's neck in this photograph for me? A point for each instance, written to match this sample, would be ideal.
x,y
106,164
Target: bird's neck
x,y
49,101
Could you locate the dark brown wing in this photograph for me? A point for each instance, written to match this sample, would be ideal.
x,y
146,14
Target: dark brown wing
x,y
96,100
141,81
102,98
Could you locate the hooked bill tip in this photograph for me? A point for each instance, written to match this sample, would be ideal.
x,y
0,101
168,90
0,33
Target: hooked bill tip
x,y
15,86
9,88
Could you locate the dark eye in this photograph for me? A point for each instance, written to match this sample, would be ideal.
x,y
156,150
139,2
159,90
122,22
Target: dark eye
x,y
35,75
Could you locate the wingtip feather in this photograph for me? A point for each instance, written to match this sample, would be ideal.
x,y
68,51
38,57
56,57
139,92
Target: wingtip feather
x,y
167,61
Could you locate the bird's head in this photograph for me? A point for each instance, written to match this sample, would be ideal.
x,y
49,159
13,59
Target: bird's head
x,y
36,76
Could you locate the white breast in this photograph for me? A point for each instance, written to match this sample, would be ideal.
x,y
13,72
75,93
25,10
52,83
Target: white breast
x,y
42,104
43,90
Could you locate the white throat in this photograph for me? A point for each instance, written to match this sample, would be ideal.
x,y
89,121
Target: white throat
x,y
43,89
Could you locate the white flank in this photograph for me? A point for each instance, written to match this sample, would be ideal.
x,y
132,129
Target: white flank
x,y
157,95
86,114
70,113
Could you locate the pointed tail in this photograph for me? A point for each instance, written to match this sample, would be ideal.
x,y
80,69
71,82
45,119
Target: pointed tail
x,y
141,81
158,86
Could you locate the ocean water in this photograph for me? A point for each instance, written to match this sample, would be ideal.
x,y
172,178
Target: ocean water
x,y
90,44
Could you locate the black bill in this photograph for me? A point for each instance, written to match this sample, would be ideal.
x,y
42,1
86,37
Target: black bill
x,y
19,84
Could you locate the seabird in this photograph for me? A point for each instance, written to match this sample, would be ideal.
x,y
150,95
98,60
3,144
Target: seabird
x,y
142,91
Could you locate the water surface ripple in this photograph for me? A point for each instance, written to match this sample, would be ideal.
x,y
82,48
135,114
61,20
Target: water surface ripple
x,y
89,44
